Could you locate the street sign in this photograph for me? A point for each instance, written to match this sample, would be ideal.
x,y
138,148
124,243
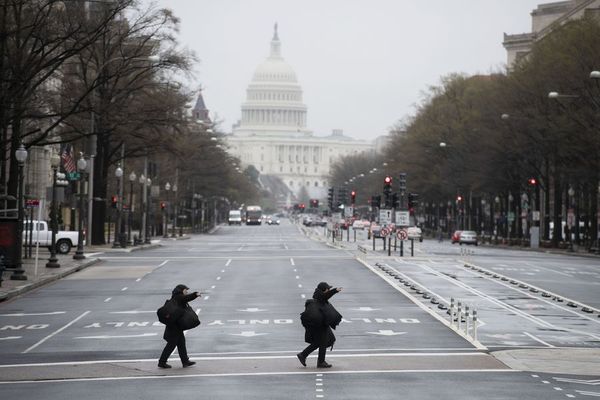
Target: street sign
x,y
402,234
511,217
402,218
535,215
385,216
384,232
349,211
32,203
73,176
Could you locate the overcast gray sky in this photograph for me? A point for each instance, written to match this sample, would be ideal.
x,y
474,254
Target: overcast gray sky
x,y
363,65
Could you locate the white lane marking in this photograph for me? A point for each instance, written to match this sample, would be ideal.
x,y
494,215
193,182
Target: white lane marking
x,y
297,277
32,314
132,312
138,279
292,261
538,339
124,289
163,263
583,392
218,278
213,286
303,296
10,337
228,262
206,298
116,337
295,270
545,382
300,285
108,299
557,389
233,374
222,271
56,332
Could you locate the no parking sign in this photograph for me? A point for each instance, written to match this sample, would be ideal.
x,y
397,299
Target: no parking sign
x,y
402,234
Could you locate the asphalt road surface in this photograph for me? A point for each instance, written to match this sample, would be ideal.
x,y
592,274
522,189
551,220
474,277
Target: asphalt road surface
x,y
95,334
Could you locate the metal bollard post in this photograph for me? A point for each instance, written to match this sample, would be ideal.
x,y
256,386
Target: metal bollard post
x,y
467,314
452,311
459,315
474,324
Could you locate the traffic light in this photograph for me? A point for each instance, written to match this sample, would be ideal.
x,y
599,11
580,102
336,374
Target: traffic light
x,y
302,207
402,182
532,181
387,185
459,198
395,200
342,196
353,197
330,197
163,205
314,203
413,200
376,201
114,201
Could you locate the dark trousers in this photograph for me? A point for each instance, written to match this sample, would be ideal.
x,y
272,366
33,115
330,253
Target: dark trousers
x,y
181,349
312,347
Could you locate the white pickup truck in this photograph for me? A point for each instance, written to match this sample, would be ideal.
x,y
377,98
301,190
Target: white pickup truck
x,y
42,234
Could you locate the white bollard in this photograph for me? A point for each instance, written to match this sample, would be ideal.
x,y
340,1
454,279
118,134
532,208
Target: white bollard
x,y
467,320
452,311
474,324
459,315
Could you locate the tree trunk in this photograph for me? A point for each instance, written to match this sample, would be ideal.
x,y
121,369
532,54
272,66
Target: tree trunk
x,y
101,163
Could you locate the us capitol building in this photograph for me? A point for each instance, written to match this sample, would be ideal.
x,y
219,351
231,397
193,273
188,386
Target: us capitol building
x,y
272,134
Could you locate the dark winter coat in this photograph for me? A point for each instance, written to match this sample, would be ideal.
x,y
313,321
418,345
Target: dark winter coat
x,y
322,335
173,332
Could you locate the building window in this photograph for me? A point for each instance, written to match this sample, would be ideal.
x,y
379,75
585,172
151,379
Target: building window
x,y
291,169
316,184
262,157
305,170
316,170
261,168
280,169
291,183
307,183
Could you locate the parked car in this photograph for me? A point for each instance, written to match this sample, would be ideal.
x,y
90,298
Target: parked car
x,y
455,237
415,233
468,237
374,230
272,221
358,224
42,234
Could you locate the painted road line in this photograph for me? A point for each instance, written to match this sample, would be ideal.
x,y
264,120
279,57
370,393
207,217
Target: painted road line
x,y
108,299
163,263
228,262
124,289
213,286
116,337
132,312
32,314
138,279
56,332
538,339
11,337
292,261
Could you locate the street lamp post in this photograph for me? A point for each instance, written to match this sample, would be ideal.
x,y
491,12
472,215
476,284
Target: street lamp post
x,y
174,211
81,166
142,181
509,227
132,178
571,193
166,212
147,212
118,175
53,261
19,273
496,212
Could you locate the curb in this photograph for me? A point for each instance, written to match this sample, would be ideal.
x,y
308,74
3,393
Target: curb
x,y
27,288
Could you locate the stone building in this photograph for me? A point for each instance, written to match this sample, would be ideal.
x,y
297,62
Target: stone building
x,y
544,19
273,136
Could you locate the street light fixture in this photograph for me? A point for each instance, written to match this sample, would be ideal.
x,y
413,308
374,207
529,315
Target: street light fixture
x,y
118,238
19,273
166,211
54,163
132,178
81,166
595,75
174,223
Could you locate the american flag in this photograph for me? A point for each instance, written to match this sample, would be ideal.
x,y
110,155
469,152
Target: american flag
x,y
67,159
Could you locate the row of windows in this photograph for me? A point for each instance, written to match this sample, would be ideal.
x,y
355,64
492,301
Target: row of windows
x,y
274,96
316,184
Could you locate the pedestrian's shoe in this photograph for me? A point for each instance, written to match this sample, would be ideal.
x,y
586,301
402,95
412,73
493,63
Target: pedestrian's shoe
x,y
323,364
163,365
188,363
301,358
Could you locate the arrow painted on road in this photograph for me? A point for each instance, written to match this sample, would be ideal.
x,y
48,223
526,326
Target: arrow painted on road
x,y
116,337
253,309
592,382
32,314
11,337
386,332
366,309
248,334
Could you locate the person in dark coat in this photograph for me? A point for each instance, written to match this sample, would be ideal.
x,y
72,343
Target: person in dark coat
x,y
173,334
319,335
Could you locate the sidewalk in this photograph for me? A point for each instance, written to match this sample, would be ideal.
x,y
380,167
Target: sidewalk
x,y
41,275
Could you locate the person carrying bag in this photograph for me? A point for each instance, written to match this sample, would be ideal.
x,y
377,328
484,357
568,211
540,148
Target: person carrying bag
x,y
319,318
178,316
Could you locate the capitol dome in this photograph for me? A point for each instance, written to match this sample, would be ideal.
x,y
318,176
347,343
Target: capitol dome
x,y
274,104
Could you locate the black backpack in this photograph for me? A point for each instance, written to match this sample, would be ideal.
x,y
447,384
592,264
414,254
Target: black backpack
x,y
312,317
169,313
